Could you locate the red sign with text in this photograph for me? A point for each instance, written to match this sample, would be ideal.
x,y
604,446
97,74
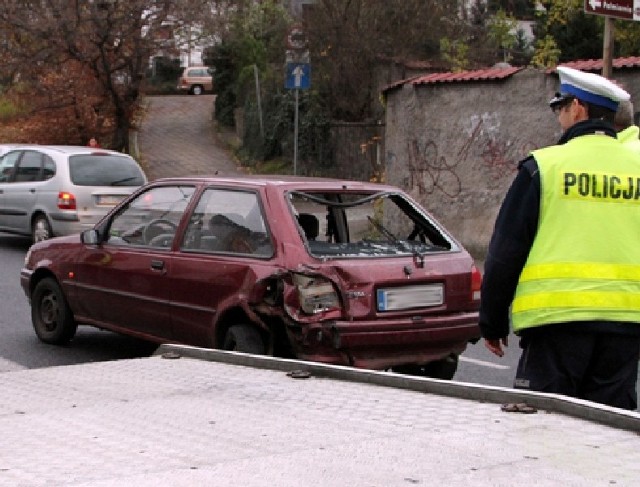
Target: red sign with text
x,y
620,9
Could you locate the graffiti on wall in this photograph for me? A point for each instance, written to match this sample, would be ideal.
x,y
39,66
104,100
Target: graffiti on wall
x,y
482,150
429,171
497,154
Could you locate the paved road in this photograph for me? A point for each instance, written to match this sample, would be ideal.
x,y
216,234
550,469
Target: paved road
x,y
178,138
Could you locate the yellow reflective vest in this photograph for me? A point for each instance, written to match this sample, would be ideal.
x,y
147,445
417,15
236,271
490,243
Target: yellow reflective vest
x,y
584,263
630,137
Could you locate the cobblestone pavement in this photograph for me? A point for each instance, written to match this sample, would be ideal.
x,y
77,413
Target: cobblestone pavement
x,y
155,422
178,138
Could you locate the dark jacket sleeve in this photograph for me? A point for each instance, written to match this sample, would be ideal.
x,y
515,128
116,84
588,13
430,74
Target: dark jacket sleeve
x,y
513,235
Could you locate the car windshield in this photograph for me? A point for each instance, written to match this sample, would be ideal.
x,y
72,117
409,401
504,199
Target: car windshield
x,y
348,224
104,170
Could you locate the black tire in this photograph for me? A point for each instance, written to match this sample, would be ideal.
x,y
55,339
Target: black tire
x,y
41,229
197,90
244,338
50,314
443,369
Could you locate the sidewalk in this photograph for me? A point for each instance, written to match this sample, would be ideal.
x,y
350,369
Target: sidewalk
x,y
189,417
177,138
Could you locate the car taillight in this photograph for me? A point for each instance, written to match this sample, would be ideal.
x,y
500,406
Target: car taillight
x,y
66,201
476,283
316,294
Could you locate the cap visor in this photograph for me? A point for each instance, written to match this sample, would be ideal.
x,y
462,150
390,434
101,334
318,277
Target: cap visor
x,y
558,98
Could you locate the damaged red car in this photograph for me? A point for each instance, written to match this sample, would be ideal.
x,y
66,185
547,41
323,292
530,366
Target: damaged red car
x,y
340,272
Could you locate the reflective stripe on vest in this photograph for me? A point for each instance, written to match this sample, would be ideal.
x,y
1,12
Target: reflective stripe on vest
x,y
585,261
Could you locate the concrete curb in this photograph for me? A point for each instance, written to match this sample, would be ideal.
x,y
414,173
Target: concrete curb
x,y
598,413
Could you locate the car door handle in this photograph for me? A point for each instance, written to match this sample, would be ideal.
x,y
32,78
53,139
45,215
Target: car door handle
x,y
157,265
32,190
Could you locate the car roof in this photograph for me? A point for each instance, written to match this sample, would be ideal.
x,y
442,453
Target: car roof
x,y
11,146
62,149
284,182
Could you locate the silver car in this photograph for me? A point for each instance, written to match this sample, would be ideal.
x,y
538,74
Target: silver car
x,y
47,191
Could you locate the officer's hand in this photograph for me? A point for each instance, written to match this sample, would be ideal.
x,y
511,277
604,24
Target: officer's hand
x,y
495,345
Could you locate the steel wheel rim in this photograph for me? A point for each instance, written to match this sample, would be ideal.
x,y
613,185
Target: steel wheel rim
x,y
40,231
49,311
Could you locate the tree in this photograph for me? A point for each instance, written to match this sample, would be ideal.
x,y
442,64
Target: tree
x,y
348,38
455,53
502,33
578,35
86,56
252,36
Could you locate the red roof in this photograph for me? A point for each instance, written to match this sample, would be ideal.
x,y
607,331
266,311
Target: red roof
x,y
477,75
502,73
596,64
462,76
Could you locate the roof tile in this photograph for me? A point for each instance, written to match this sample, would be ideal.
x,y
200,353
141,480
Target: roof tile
x,y
596,64
477,75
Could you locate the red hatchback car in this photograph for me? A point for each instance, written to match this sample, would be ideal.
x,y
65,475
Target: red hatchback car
x,y
333,271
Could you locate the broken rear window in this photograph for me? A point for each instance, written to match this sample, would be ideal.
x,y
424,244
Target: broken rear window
x,y
348,224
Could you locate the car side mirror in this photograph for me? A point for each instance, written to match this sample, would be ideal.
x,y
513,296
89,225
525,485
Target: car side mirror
x,y
90,237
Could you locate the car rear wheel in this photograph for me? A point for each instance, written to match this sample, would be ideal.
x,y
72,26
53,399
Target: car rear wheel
x,y
197,90
443,369
50,314
41,229
244,338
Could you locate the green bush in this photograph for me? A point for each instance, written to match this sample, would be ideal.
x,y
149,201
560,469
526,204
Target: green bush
x,y
9,110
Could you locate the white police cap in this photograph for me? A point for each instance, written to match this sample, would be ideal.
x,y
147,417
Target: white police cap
x,y
588,87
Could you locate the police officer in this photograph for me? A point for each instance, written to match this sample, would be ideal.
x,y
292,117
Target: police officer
x,y
628,132
565,257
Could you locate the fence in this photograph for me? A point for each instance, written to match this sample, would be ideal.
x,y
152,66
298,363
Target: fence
x,y
356,151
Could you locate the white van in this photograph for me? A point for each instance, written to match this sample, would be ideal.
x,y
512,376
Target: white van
x,y
46,191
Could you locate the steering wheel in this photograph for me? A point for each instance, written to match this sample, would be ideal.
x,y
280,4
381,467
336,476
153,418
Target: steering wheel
x,y
157,227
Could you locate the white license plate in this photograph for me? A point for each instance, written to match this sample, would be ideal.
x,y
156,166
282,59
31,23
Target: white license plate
x,y
108,199
408,297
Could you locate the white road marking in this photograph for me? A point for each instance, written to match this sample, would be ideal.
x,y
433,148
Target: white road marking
x,y
484,363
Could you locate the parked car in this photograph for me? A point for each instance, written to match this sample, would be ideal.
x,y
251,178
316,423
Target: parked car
x,y
47,191
340,272
196,80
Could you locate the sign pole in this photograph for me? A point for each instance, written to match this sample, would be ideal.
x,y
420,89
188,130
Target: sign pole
x,y
295,136
298,71
607,47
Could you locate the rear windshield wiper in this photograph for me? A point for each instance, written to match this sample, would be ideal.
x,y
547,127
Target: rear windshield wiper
x,y
123,180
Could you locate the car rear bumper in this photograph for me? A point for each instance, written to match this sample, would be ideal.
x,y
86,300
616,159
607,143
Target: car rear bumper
x,y
381,344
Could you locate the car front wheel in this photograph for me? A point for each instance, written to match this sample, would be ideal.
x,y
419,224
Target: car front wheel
x,y
197,90
50,314
244,338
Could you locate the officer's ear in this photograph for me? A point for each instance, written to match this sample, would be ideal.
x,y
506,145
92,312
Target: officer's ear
x,y
579,110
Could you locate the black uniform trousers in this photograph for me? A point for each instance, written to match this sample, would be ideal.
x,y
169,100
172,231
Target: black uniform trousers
x,y
595,365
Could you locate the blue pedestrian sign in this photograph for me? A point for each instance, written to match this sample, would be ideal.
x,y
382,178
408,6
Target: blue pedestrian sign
x,y
298,76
